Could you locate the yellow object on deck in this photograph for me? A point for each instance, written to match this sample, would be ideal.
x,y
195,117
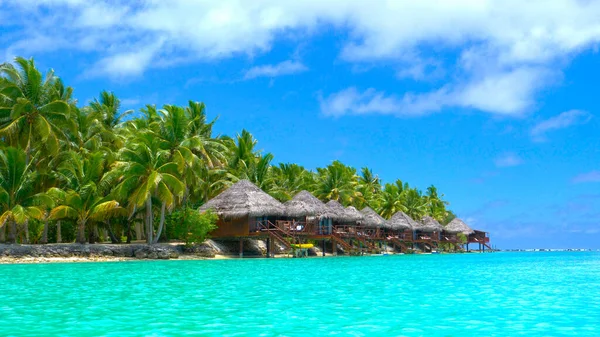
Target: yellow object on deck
x,y
302,245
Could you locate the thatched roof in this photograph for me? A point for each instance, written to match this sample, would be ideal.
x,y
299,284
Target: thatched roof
x,y
305,204
354,214
337,211
429,224
458,226
244,199
401,221
372,219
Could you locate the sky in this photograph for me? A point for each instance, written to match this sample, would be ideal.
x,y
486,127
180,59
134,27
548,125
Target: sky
x,y
493,102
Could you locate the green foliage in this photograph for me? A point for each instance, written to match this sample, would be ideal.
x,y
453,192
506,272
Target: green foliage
x,y
191,226
98,166
462,239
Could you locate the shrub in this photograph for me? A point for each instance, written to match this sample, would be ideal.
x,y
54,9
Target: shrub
x,y
190,225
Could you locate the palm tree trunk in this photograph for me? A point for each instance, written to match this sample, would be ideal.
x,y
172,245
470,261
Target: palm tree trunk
x,y
44,239
129,231
58,232
26,226
81,231
12,234
149,218
162,221
94,236
138,230
3,232
113,237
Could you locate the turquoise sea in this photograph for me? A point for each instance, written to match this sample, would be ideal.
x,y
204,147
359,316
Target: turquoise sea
x,y
499,294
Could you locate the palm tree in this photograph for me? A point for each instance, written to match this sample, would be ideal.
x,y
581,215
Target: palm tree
x,y
146,174
415,204
84,201
18,198
32,112
288,179
107,109
336,182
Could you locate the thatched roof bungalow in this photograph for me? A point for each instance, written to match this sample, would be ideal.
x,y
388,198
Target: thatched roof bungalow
x,y
400,221
458,226
337,211
354,214
305,204
429,225
239,207
371,219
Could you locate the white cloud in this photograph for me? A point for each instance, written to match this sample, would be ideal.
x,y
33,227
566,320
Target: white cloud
x,y
273,70
588,177
497,54
352,101
509,93
564,120
508,159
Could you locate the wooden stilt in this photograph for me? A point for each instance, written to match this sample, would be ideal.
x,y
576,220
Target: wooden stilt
x,y
241,247
268,247
323,244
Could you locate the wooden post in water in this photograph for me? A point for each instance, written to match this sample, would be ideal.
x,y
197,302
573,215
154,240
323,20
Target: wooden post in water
x,y
241,247
268,247
323,244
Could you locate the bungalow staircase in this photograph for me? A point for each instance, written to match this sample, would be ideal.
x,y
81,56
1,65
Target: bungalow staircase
x,y
398,243
427,246
338,240
365,243
277,234
273,235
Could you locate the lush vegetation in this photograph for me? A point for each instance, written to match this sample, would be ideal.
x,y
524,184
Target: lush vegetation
x,y
95,172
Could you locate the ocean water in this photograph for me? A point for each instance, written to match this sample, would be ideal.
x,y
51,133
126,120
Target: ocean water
x,y
499,294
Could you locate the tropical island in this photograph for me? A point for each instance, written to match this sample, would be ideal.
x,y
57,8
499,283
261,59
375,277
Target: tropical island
x,y
73,174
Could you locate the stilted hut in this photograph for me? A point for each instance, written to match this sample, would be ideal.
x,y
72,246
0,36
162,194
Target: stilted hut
x,y
357,231
427,233
374,226
246,211
453,229
305,213
401,229
373,223
344,223
482,239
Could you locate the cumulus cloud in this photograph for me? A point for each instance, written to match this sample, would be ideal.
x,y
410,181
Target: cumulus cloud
x,y
588,177
509,93
500,53
273,70
508,159
561,121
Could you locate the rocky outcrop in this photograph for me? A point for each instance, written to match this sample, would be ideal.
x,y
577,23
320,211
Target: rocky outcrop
x,y
137,251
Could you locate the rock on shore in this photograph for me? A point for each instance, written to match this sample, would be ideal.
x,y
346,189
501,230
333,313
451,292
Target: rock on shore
x,y
98,252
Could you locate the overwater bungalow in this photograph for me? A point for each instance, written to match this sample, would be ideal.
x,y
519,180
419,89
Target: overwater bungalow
x,y
246,211
345,223
307,215
481,238
457,226
373,223
427,233
374,226
453,229
400,233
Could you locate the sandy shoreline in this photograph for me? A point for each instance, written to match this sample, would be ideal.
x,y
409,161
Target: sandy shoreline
x,y
88,259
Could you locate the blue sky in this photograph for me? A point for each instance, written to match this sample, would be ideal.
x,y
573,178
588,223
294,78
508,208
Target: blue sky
x,y
494,102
